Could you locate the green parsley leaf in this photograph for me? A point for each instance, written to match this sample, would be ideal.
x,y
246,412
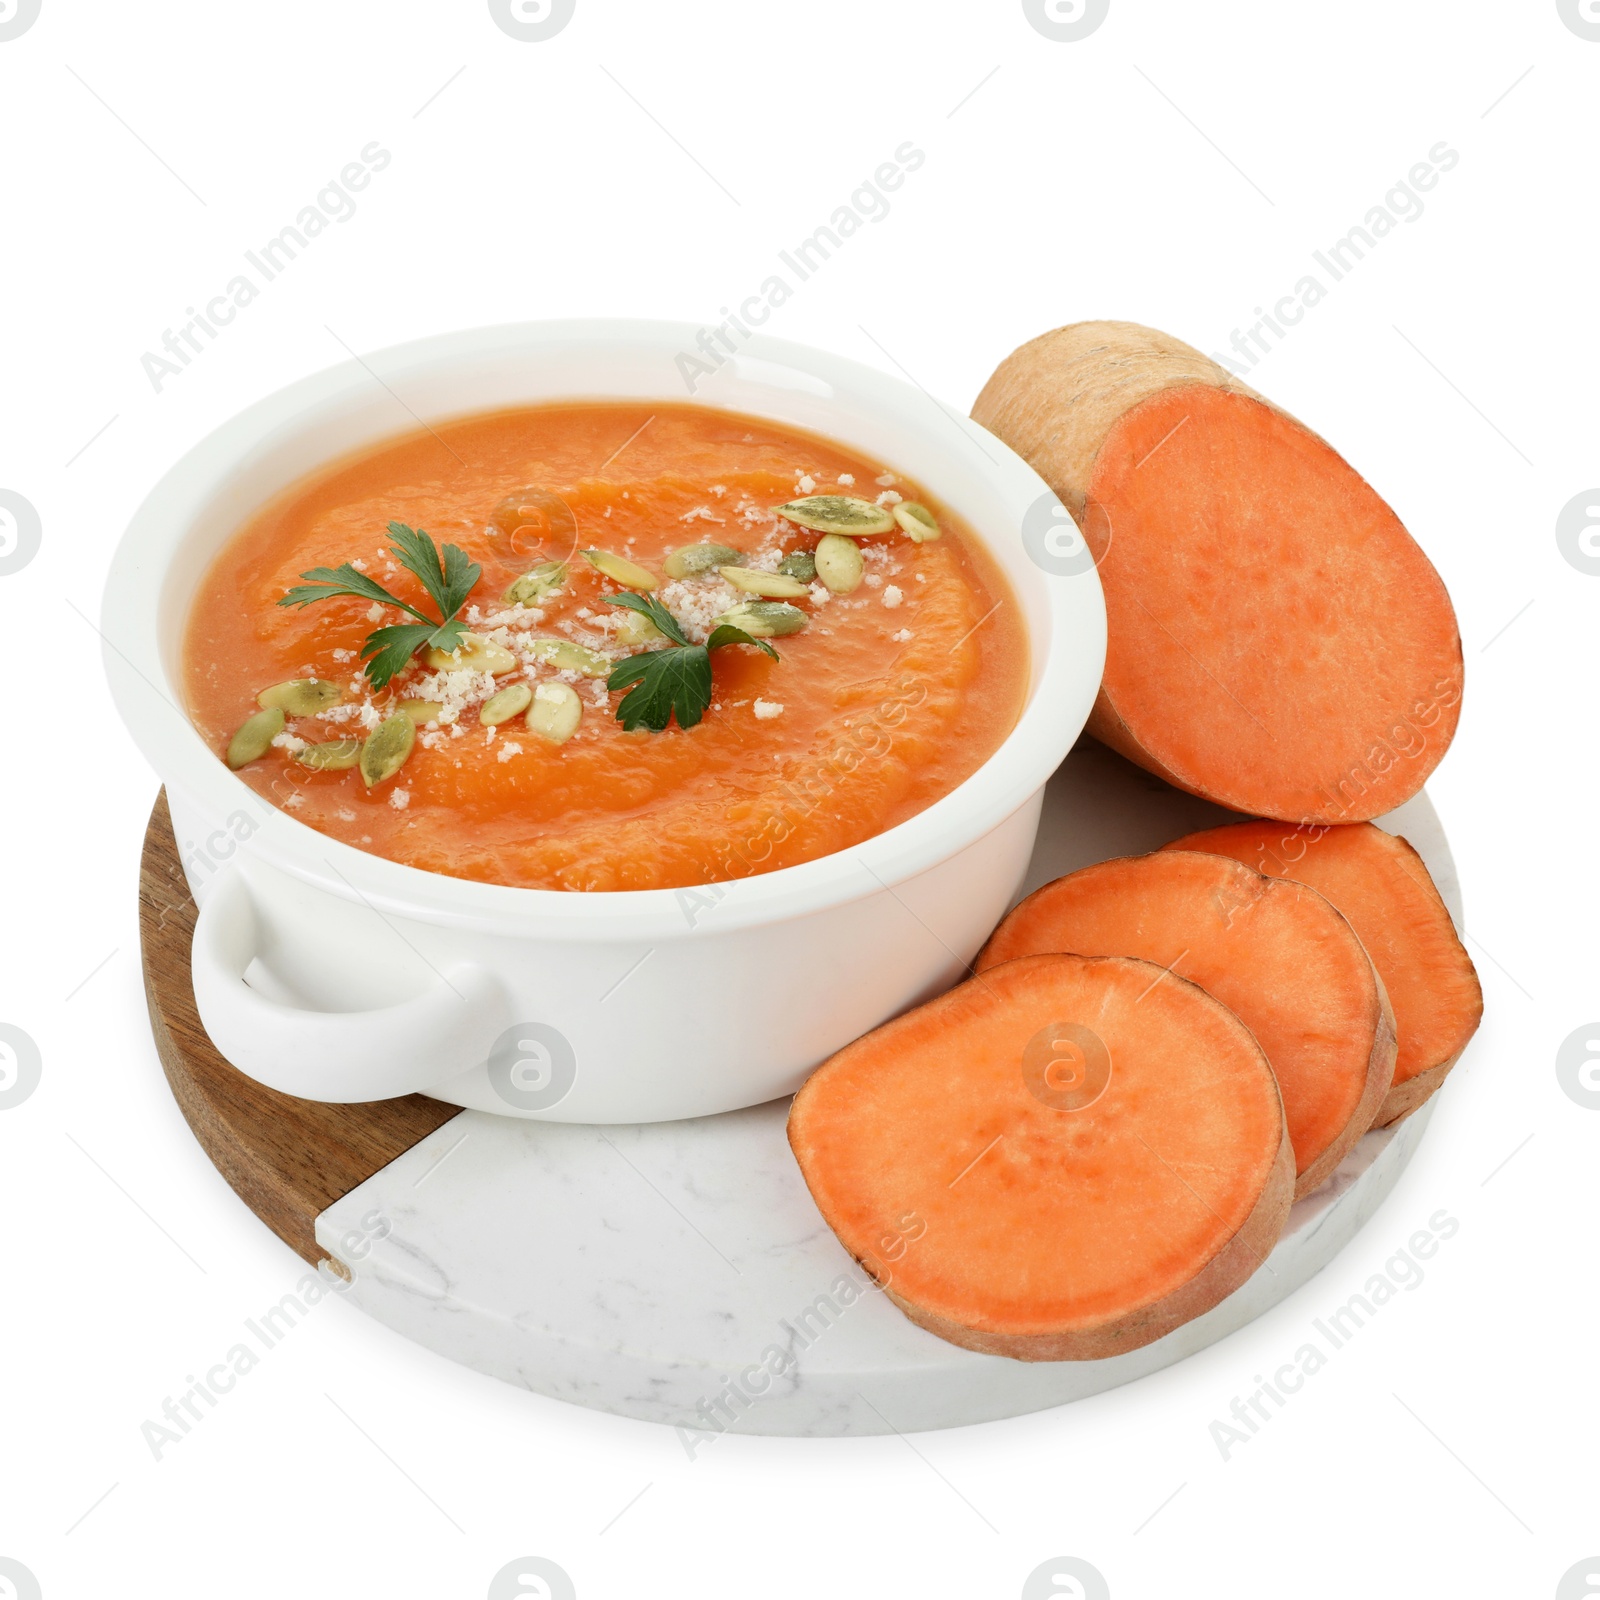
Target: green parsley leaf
x,y
726,633
391,648
648,606
343,580
448,582
674,681
666,683
448,635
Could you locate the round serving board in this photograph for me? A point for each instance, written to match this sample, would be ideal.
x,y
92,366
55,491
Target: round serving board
x,y
678,1271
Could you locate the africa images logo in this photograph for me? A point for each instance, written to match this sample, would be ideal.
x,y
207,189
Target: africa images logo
x,y
1578,533
16,17
1582,17
532,21
532,1067
1053,540
20,1066
532,1578
20,532
1065,21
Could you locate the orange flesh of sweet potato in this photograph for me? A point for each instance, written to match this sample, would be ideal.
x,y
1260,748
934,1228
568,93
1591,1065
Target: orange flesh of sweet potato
x,y
1277,642
1381,885
1275,634
1142,1178
1273,951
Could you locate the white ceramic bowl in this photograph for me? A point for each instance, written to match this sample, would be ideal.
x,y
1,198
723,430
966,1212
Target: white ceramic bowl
x,y
336,975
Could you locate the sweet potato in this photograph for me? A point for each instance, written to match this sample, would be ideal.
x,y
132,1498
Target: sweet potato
x,y
1278,643
1381,885
1273,951
1060,1160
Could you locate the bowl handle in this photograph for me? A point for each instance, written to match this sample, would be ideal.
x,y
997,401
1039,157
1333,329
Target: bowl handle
x,y
340,1056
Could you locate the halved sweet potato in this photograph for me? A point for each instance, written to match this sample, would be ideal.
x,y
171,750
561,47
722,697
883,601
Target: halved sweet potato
x,y
1381,885
1273,951
1069,1157
1277,641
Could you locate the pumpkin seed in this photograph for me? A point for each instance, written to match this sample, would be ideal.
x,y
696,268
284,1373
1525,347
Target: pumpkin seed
x,y
799,564
300,697
693,559
838,513
917,520
255,737
472,655
633,627
621,570
764,619
774,585
335,755
386,749
555,713
421,711
535,584
504,705
839,563
566,656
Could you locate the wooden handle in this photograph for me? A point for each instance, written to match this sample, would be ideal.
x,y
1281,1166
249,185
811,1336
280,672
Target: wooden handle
x,y
287,1159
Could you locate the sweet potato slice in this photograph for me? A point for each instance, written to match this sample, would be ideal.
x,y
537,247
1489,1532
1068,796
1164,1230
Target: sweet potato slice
x,y
1273,951
1060,1160
1386,893
1278,642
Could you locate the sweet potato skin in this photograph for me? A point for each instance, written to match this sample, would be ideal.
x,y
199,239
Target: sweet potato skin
x,y
1404,1098
1056,398
1064,401
1193,916
850,1095
1384,889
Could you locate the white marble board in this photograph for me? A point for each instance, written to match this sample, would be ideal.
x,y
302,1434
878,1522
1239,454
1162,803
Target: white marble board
x,y
678,1272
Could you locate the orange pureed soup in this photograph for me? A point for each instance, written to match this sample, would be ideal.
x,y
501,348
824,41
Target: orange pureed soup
x,y
892,684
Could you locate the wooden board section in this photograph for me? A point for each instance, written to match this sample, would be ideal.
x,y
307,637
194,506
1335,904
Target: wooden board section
x,y
287,1159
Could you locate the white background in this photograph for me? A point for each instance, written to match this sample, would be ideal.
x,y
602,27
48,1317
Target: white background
x,y
1177,167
